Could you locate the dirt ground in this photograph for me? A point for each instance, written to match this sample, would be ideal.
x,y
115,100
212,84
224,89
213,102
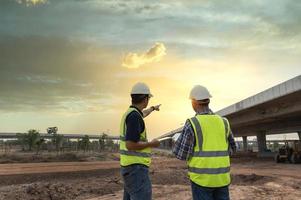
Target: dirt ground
x,y
67,156
251,179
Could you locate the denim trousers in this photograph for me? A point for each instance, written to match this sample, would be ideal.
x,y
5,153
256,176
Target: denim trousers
x,y
137,184
207,193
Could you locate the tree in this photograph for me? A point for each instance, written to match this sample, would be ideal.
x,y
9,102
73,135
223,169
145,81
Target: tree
x,y
39,144
102,141
32,137
94,146
57,140
22,140
110,143
85,143
28,139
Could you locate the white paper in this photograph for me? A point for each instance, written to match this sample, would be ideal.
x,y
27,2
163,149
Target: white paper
x,y
176,136
165,138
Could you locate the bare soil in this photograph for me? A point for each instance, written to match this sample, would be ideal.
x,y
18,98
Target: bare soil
x,y
251,179
73,156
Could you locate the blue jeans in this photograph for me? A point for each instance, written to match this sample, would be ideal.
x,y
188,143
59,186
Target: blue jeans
x,y
207,193
137,184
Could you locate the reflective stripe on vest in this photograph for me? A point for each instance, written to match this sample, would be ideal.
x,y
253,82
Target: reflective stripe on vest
x,y
210,163
210,153
134,153
220,170
128,157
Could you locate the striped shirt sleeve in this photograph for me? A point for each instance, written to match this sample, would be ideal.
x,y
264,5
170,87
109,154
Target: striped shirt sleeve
x,y
232,142
183,148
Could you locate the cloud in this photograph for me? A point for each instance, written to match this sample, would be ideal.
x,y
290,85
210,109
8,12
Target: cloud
x,y
248,25
155,54
31,2
54,74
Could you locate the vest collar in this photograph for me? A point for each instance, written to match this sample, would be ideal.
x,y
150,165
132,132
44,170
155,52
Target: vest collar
x,y
137,109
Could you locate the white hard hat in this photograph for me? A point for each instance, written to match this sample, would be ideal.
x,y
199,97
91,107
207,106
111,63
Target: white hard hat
x,y
199,92
141,88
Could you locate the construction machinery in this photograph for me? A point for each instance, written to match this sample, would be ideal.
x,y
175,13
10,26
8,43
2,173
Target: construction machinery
x,y
290,151
52,130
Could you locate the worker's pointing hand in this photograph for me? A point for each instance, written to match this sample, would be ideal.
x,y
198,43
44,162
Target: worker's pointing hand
x,y
157,107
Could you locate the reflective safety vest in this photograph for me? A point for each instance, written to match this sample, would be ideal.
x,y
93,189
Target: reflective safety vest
x,y
128,157
209,165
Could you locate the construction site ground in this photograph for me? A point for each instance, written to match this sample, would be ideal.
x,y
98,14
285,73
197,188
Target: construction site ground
x,y
252,178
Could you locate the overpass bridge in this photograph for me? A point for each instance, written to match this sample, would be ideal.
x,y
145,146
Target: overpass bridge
x,y
276,110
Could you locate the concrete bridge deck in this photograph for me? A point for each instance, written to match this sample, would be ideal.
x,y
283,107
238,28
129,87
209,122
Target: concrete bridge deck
x,y
276,110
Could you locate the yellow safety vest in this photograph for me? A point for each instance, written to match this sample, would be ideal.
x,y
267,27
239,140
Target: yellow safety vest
x,y
128,157
210,164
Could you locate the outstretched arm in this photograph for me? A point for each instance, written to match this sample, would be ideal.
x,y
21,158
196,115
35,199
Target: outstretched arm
x,y
149,110
130,145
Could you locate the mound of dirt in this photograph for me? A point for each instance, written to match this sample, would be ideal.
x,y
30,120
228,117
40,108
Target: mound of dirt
x,y
250,179
51,191
60,190
170,177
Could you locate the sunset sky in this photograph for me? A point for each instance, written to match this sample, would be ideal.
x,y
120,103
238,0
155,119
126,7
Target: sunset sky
x,y
72,63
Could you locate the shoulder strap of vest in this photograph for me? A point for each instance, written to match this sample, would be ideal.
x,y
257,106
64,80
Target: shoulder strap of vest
x,y
122,137
135,109
227,128
199,132
129,111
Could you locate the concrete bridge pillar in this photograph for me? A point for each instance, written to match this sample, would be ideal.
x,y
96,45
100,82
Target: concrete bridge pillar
x,y
299,134
245,143
261,141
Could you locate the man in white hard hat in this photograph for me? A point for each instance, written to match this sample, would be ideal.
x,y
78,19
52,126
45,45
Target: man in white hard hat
x,y
135,150
204,144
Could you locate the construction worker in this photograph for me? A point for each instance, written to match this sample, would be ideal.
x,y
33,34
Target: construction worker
x,y
204,144
135,150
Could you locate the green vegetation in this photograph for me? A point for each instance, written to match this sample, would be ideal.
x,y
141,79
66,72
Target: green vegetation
x,y
28,140
32,141
57,141
85,143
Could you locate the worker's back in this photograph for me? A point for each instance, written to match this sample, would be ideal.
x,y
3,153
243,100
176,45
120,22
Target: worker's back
x,y
210,163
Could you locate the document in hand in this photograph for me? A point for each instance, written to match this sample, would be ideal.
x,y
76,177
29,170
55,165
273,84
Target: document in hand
x,y
176,136
165,138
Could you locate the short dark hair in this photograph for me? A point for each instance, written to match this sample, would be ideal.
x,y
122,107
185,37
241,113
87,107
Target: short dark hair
x,y
138,98
204,102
